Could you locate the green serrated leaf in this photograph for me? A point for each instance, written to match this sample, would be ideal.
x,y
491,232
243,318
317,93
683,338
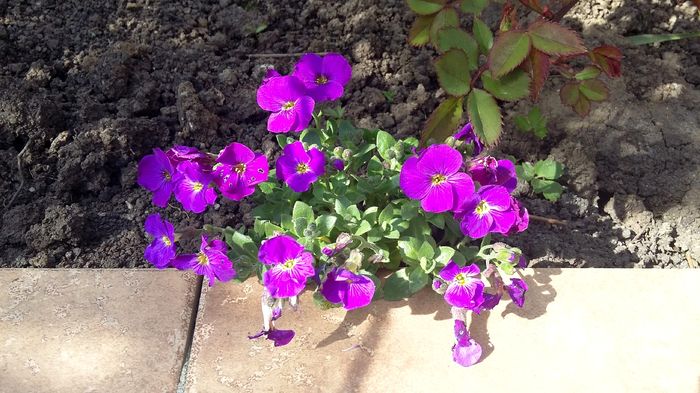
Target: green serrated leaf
x,y
485,116
589,72
594,89
453,72
443,122
426,7
447,17
509,50
482,35
419,34
384,144
456,38
474,6
510,87
523,123
555,39
548,169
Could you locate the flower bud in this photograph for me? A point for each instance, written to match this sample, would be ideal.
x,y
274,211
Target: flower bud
x,y
354,261
338,164
338,151
347,154
376,258
439,286
450,141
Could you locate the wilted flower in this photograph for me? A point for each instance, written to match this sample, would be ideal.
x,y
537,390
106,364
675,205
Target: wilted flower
x,y
162,249
290,104
298,167
344,286
238,170
516,289
434,178
488,210
324,77
465,288
466,351
272,310
179,153
467,134
210,261
290,264
157,174
194,190
489,171
522,217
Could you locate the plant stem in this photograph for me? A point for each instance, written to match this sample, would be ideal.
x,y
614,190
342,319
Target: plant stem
x,y
564,10
548,220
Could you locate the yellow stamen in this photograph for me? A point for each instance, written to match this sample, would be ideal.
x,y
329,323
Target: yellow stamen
x,y
438,179
166,176
197,186
460,279
202,259
303,168
482,208
288,105
166,241
239,168
289,264
321,80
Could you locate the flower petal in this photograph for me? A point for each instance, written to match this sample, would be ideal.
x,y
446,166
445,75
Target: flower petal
x,y
449,272
466,355
440,159
236,153
336,68
497,197
414,184
440,198
279,249
317,161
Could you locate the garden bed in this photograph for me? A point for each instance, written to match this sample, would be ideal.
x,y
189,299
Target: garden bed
x,y
85,92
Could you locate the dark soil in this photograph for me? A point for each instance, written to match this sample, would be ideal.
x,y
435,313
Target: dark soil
x,y
88,88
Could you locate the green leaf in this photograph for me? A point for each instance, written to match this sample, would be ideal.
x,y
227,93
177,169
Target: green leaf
x,y
510,87
325,224
483,35
509,50
443,122
453,72
589,72
525,171
474,6
594,89
267,187
426,7
281,140
444,256
301,209
240,243
555,39
485,116
384,144
548,169
644,39
447,17
404,282
310,137
419,34
363,228
456,38
300,224
549,188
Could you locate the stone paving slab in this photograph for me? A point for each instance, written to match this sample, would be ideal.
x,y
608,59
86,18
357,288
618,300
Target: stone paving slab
x,y
93,330
582,330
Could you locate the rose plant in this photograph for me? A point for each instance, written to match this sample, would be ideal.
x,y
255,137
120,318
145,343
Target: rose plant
x,y
352,214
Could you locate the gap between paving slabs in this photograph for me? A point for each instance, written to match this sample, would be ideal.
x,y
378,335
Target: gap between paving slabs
x,y
190,335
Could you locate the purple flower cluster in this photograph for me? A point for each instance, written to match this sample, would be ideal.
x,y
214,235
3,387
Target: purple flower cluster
x,y
435,176
289,265
291,98
211,260
192,175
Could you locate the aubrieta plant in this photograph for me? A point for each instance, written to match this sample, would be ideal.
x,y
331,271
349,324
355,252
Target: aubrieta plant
x,y
479,68
351,214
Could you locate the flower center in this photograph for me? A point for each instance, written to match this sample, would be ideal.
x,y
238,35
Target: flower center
x,y
197,186
302,168
321,80
166,241
438,179
482,208
202,259
288,105
461,279
239,168
166,175
289,264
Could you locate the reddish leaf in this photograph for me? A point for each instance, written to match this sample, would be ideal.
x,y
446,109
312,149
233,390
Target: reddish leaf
x,y
572,96
508,51
583,106
509,18
554,39
594,89
419,34
539,68
534,5
608,58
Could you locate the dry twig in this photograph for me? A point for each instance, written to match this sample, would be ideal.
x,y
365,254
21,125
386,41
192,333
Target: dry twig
x,y
548,220
21,177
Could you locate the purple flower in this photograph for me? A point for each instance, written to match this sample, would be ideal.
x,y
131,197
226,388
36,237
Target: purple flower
x,y
162,249
434,178
156,174
280,337
491,300
291,266
465,288
298,167
324,77
210,261
178,154
290,104
238,170
271,73
466,351
468,135
344,286
488,210
516,290
487,170
194,190
338,164
522,218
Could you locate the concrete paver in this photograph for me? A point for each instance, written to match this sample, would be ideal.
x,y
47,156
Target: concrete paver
x,y
582,330
89,330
